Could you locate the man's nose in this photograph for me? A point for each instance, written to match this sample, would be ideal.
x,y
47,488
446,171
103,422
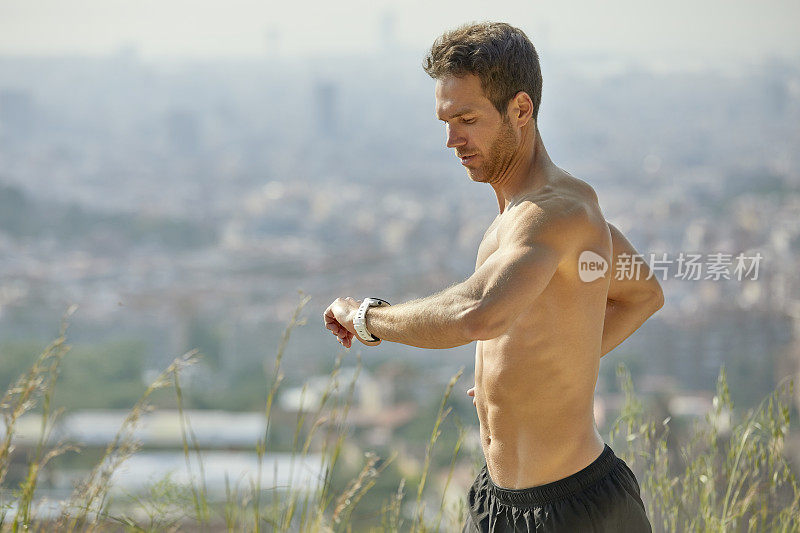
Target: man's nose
x,y
455,138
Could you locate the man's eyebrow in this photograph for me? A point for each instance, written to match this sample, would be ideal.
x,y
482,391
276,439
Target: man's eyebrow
x,y
464,111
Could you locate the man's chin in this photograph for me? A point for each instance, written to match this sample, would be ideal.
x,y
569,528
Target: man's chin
x,y
476,175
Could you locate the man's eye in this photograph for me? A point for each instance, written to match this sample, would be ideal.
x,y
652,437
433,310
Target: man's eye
x,y
469,121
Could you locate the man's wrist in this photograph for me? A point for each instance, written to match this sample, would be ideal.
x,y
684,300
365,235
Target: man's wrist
x,y
367,325
360,320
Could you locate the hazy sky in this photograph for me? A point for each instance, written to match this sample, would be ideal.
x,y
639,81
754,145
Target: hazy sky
x,y
672,31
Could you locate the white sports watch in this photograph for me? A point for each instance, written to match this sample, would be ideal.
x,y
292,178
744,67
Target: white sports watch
x,y
360,322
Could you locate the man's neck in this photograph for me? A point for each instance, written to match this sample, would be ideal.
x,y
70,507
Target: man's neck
x,y
527,172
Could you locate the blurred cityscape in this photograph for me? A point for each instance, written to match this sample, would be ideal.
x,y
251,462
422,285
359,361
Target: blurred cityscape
x,y
184,204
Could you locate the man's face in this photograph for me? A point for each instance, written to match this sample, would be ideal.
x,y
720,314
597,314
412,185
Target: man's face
x,y
484,140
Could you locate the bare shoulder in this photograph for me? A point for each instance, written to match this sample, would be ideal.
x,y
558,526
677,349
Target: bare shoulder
x,y
587,216
567,208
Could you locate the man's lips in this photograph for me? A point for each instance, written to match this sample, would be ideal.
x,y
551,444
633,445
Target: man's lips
x,y
466,158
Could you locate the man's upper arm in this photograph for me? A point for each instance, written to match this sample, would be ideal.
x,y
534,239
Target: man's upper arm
x,y
632,285
518,272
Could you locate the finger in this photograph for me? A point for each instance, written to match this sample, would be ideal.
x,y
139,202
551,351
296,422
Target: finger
x,y
330,319
336,328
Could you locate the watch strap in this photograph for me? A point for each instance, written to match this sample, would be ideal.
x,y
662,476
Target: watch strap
x,y
360,322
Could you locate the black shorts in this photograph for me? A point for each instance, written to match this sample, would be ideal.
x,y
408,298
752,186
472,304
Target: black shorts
x,y
603,497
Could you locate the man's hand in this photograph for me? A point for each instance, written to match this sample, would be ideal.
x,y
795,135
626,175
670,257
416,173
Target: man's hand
x,y
339,320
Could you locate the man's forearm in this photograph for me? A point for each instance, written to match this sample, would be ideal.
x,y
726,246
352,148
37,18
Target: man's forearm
x,y
437,321
621,320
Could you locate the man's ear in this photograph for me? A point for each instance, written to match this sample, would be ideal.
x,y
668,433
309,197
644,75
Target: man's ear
x,y
520,109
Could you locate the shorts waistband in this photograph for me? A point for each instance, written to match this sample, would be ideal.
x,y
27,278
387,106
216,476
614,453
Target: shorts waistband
x,y
542,494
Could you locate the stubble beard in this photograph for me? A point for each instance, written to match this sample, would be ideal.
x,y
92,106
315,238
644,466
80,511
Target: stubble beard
x,y
499,156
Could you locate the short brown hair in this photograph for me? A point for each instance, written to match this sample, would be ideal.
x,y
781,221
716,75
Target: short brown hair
x,y
500,55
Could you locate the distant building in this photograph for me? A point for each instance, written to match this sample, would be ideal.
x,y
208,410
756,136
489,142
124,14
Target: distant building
x,y
369,394
161,428
373,411
279,471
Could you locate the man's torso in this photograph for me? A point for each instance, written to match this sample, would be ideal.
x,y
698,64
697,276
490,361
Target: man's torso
x,y
535,382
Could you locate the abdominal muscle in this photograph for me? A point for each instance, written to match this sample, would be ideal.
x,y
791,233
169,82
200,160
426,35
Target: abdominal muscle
x,y
534,401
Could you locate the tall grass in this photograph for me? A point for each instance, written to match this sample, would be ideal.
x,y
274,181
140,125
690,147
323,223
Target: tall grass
x,y
729,476
32,387
87,506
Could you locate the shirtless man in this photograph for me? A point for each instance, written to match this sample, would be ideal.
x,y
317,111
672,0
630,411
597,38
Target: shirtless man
x,y
541,328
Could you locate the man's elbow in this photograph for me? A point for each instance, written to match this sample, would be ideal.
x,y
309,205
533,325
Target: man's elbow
x,y
650,296
654,302
658,299
483,323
